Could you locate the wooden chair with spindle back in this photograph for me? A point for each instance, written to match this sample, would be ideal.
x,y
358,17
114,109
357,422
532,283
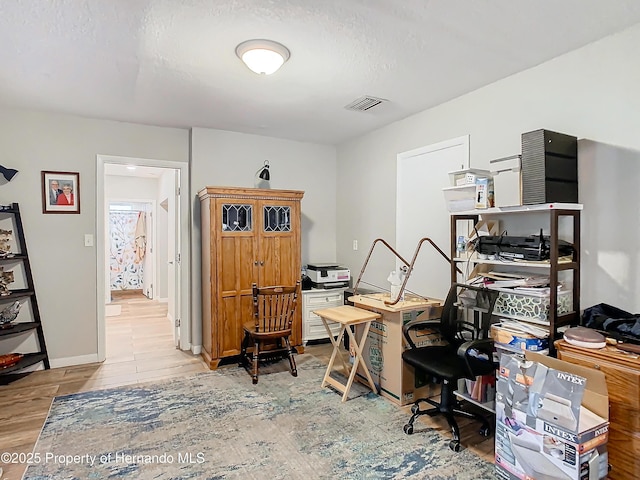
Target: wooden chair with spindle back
x,y
274,310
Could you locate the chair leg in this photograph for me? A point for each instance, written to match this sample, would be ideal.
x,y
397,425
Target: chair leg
x,y
243,351
416,412
448,409
256,353
292,362
453,424
485,430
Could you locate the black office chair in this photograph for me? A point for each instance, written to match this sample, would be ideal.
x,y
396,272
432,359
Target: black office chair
x,y
464,324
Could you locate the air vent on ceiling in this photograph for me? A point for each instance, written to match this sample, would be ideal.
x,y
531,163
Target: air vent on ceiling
x,y
363,104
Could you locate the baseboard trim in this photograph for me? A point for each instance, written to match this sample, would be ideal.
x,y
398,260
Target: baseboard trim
x,y
196,349
71,361
163,300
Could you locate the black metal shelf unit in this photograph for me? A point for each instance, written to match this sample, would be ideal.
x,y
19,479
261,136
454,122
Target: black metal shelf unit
x,y
13,329
553,213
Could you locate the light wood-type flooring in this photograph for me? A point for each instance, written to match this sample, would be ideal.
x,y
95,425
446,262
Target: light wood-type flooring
x,y
140,348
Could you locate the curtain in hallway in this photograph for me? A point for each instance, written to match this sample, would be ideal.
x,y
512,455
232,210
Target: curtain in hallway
x,y
126,268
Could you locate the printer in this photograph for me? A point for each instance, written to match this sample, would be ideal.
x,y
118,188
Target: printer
x,y
534,247
328,275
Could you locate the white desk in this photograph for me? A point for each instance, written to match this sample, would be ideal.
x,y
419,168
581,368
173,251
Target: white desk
x,y
347,316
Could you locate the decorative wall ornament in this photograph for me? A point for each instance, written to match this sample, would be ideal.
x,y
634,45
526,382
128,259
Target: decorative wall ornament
x,y
5,279
9,314
60,192
8,173
6,236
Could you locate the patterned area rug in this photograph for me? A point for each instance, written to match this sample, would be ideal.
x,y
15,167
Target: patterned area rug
x,y
217,425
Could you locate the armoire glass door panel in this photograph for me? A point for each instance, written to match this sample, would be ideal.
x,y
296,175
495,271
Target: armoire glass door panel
x,y
277,218
237,217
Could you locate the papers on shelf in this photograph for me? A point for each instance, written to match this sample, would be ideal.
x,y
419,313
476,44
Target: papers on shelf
x,y
516,326
515,280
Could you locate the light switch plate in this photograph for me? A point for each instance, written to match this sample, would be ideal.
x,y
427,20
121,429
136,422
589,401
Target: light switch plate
x,y
88,240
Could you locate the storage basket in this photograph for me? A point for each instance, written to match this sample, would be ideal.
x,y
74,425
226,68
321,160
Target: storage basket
x,y
467,176
461,198
532,307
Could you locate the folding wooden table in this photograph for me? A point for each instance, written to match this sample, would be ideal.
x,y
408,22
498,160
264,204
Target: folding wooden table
x,y
347,316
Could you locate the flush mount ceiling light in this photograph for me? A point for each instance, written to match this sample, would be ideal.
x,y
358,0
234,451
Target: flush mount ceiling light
x,y
263,56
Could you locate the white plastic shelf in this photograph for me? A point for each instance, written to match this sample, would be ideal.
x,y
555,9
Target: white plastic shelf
x,y
542,207
489,406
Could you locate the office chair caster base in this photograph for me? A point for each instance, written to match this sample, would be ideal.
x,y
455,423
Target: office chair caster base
x,y
408,429
485,431
454,445
415,409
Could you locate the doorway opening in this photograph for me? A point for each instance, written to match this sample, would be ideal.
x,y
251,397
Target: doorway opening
x,y
141,241
131,236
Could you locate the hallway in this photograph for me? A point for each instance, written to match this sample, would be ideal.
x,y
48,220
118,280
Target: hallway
x,y
140,344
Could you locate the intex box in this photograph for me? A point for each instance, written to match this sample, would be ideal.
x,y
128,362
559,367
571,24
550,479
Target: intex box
x,y
552,420
383,347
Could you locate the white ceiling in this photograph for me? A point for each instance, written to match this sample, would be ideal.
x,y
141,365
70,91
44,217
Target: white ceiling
x,y
173,63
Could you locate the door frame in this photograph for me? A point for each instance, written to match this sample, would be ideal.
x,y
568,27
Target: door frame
x,y
183,283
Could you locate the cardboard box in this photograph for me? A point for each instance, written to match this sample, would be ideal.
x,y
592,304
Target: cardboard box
x,y
484,195
385,343
517,339
552,420
507,180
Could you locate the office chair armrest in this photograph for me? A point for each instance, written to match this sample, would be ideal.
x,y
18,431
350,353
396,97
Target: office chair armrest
x,y
483,346
433,323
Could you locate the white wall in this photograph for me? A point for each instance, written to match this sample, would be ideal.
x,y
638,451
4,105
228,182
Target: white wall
x,y
134,189
222,158
591,93
64,270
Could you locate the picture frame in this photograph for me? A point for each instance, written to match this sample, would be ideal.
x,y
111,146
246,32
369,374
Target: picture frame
x,y
60,192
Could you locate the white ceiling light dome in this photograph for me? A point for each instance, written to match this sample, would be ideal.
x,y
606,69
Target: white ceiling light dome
x,y
263,56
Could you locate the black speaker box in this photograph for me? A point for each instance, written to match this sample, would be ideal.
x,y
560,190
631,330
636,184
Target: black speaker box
x,y
549,168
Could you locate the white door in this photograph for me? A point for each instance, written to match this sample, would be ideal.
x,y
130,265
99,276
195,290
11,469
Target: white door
x,y
175,261
148,279
421,212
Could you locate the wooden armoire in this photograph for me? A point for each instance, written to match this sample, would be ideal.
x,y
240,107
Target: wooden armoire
x,y
248,235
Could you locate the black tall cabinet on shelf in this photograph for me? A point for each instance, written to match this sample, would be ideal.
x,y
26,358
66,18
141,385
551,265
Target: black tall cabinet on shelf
x,y
17,331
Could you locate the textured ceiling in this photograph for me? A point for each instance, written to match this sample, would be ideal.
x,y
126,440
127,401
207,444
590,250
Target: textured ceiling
x,y
173,62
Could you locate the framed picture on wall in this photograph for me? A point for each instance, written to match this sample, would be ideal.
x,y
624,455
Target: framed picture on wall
x,y
60,192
